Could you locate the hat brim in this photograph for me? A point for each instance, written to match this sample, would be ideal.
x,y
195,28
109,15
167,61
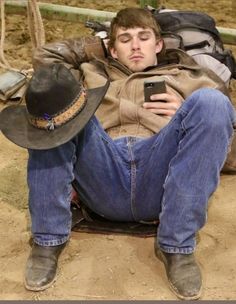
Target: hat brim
x,y
15,126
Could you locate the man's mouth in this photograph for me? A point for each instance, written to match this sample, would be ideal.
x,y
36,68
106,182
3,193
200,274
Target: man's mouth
x,y
136,57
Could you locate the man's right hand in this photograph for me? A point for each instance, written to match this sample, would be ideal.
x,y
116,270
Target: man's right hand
x,y
165,104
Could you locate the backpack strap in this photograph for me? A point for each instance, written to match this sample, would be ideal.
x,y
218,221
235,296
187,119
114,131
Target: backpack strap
x,y
198,45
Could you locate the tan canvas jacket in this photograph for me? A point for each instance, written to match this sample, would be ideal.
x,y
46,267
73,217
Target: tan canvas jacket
x,y
121,112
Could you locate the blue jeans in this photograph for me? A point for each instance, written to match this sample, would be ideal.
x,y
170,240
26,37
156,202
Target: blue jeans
x,y
168,176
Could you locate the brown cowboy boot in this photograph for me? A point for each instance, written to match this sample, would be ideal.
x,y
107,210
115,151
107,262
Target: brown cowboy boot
x,y
41,267
183,274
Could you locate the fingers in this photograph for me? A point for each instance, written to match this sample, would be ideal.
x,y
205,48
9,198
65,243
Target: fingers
x,y
160,105
161,108
163,104
162,96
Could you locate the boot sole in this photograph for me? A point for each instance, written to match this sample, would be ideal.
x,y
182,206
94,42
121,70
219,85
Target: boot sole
x,y
161,257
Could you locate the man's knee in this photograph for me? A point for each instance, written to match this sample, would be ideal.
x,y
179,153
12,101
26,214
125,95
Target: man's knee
x,y
213,107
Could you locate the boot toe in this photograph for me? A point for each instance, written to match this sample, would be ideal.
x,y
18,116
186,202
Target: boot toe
x,y
41,267
184,275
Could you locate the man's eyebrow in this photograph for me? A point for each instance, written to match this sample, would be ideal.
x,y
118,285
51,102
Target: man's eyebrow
x,y
144,32
124,35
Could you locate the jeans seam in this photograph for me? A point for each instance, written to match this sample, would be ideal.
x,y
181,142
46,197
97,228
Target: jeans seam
x,y
229,147
132,178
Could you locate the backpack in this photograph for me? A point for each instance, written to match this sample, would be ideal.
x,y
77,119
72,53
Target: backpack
x,y
196,33
193,32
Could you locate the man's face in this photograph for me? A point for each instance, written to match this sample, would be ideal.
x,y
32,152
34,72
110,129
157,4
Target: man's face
x,y
136,48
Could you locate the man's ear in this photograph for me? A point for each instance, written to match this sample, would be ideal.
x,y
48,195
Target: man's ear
x,y
113,53
159,46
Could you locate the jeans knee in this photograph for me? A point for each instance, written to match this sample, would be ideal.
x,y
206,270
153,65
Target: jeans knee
x,y
213,107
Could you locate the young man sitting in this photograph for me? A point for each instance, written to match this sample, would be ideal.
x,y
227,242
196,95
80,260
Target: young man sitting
x,y
134,160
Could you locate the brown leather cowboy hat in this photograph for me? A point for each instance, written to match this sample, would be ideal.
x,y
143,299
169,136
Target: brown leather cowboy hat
x,y
57,108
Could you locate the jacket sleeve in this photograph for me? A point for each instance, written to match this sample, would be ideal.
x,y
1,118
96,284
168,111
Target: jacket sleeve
x,y
70,52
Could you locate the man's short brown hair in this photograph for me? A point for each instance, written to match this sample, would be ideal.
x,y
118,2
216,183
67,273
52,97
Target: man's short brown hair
x,y
130,18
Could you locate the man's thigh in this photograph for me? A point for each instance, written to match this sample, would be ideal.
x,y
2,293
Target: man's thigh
x,y
102,173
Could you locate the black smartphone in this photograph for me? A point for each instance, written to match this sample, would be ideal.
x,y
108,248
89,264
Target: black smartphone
x,y
153,87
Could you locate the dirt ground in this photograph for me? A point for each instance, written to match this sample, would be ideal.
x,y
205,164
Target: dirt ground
x,y
107,267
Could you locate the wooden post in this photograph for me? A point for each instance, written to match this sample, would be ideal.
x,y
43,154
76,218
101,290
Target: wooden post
x,y
153,3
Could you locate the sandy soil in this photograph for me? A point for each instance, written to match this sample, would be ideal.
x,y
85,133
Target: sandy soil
x,y
107,267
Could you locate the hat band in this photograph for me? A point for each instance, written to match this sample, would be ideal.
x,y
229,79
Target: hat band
x,y
51,122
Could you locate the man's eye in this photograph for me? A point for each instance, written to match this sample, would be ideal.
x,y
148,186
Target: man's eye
x,y
144,37
124,40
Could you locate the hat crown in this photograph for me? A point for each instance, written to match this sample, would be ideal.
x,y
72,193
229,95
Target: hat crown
x,y
51,90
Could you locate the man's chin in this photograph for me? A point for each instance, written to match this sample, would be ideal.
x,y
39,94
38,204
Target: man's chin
x,y
137,67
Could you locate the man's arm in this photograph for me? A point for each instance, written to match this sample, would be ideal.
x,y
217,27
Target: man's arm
x,y
70,52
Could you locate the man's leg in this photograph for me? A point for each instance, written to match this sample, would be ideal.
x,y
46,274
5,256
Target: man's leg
x,y
193,176
198,138
50,174
205,133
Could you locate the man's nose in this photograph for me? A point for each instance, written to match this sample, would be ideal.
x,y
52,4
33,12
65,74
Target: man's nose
x,y
135,44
